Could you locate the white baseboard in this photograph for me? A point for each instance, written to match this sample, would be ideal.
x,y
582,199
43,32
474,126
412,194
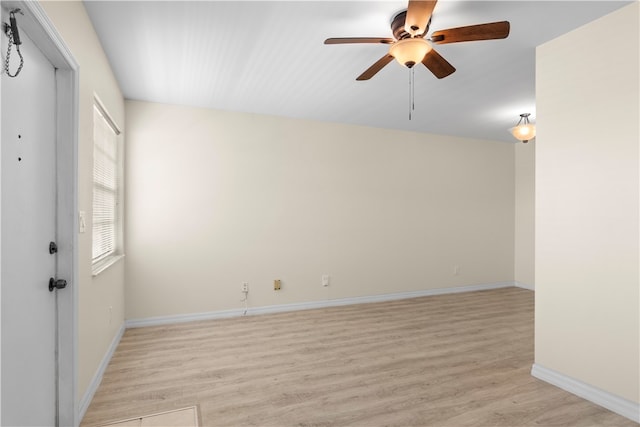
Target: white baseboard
x,y
164,320
614,403
524,285
97,378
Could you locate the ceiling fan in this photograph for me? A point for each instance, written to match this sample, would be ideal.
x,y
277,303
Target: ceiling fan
x,y
409,45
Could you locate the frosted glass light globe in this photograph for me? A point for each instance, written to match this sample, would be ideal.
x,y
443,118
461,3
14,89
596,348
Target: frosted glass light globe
x,y
409,52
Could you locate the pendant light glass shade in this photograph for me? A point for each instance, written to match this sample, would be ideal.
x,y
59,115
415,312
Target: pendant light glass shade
x,y
524,131
409,52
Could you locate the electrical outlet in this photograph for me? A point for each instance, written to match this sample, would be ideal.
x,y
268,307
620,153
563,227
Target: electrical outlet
x,y
456,270
245,287
325,280
276,285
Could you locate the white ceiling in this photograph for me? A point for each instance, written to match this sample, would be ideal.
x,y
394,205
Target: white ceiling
x,y
268,57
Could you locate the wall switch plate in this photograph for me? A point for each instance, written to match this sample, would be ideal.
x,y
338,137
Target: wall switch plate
x,y
325,280
276,285
82,224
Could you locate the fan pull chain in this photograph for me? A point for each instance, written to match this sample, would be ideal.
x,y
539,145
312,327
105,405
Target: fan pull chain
x,y
413,88
412,97
410,93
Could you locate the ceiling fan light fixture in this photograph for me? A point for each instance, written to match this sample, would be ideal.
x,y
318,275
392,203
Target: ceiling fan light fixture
x,y
409,52
524,131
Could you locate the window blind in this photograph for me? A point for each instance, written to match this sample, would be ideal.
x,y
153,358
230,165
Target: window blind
x,y
105,185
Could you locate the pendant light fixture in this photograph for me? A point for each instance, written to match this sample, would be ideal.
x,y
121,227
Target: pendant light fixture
x,y
524,131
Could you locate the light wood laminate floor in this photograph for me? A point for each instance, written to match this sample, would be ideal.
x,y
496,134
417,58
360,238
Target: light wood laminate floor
x,y
448,360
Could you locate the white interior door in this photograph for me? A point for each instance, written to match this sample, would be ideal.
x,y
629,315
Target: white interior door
x,y
28,191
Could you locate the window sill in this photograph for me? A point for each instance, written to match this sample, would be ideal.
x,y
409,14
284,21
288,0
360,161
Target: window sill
x,y
105,263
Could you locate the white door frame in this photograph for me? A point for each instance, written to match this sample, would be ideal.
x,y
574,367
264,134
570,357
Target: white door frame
x,y
40,29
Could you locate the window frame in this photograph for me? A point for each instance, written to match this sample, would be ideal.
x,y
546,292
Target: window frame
x,y
103,262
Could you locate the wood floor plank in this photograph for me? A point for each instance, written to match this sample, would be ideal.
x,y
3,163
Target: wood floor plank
x,y
447,360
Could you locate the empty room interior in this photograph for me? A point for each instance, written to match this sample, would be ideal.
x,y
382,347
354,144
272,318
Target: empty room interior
x,y
323,213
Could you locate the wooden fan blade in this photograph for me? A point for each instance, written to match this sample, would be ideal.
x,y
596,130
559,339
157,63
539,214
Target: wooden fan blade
x,y
439,66
491,31
418,16
373,70
347,40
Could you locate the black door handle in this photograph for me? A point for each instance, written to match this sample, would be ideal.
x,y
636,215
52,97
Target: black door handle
x,y
57,284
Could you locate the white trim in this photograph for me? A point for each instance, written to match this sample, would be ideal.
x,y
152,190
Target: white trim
x,y
607,400
524,286
181,318
1,20
105,114
97,377
104,263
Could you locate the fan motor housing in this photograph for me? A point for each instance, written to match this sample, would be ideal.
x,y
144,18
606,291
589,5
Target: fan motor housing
x,y
397,26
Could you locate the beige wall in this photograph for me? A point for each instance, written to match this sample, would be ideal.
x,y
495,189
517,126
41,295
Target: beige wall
x,y
525,214
96,328
587,204
218,198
